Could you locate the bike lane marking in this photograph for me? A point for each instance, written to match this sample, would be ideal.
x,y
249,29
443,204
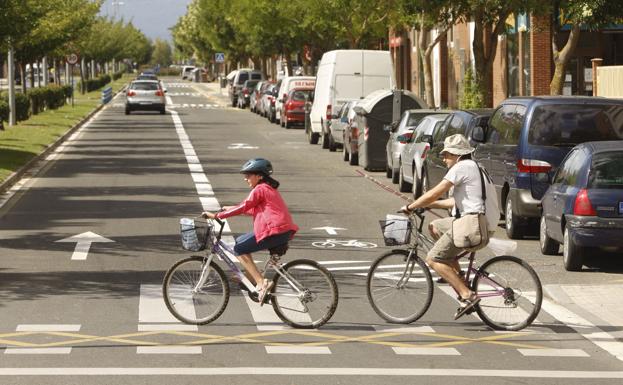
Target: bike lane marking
x,y
42,328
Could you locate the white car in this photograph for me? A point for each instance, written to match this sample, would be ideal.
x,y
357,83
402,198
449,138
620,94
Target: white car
x,y
288,84
414,152
145,95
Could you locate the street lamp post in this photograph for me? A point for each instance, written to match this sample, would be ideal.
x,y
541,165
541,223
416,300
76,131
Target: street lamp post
x,y
11,78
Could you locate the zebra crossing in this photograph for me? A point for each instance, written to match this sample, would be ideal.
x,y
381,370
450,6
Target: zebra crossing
x,y
271,335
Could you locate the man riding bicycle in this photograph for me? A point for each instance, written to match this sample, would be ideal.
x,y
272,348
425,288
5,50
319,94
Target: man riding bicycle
x,y
465,184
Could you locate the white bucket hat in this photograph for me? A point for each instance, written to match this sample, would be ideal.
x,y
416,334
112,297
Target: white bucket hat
x,y
457,144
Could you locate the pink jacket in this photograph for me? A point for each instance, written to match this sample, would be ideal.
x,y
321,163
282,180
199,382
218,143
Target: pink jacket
x,y
270,213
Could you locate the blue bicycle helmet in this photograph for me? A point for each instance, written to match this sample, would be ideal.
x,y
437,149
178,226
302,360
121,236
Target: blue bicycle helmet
x,y
257,166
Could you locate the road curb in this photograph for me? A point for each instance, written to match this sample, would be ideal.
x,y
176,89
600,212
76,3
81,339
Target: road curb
x,y
17,175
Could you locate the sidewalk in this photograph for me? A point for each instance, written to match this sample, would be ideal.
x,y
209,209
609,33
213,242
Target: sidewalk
x,y
213,92
599,304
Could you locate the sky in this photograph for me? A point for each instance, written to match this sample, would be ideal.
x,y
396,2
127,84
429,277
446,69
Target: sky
x,y
152,17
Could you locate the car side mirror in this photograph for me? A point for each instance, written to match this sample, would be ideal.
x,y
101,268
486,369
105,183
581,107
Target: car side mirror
x,y
344,119
387,128
427,139
478,135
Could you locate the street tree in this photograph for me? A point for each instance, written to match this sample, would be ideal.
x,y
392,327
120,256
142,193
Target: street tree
x,y
577,16
161,53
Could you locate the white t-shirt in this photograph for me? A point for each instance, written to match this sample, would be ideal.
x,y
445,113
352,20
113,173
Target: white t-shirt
x,y
467,190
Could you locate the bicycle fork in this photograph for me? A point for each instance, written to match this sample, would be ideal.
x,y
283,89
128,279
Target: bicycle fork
x,y
406,274
205,272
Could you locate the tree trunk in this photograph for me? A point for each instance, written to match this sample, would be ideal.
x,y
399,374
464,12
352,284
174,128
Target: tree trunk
x,y
561,58
429,94
22,74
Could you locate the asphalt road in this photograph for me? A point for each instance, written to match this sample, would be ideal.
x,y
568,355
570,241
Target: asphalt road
x,y
97,317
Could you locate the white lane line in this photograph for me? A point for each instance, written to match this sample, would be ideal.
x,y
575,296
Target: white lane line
x,y
264,316
204,189
210,203
308,371
43,328
340,262
427,351
406,329
48,328
171,349
553,352
297,350
588,330
12,350
199,177
151,307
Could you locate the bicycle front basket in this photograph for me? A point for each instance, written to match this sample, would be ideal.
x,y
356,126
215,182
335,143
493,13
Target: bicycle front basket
x,y
396,230
195,234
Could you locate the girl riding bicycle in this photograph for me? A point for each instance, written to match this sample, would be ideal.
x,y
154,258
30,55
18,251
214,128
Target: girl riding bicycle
x,y
272,223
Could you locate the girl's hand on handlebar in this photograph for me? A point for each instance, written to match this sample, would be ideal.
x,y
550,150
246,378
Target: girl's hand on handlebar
x,y
404,209
208,215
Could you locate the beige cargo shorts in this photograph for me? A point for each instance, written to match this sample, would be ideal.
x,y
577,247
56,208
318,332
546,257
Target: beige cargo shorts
x,y
444,250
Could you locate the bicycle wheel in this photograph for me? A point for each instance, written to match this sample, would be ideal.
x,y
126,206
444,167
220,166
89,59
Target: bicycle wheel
x,y
192,306
510,293
314,300
399,288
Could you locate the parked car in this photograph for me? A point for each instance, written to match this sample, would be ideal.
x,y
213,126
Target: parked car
x,y
583,207
267,101
457,122
145,95
407,123
256,96
147,76
236,79
186,71
527,139
244,95
288,84
338,124
345,75
294,107
374,112
414,152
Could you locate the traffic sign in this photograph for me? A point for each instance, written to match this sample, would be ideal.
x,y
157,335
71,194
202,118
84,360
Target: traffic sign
x,y
72,58
219,57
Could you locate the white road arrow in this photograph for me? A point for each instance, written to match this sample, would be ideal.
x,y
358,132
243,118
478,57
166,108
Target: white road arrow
x,y
83,244
330,230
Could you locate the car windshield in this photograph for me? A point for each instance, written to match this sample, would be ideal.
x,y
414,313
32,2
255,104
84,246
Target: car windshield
x,y
301,95
145,86
146,77
569,124
607,170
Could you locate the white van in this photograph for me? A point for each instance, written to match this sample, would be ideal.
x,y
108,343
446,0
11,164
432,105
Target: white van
x,y
186,71
345,75
289,83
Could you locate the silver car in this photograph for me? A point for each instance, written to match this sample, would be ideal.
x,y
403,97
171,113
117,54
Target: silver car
x,y
339,123
405,125
414,151
145,95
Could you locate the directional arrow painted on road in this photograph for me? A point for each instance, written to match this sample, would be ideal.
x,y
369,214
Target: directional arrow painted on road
x,y
83,244
330,230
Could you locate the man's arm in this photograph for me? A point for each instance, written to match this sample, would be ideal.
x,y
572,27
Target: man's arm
x,y
429,199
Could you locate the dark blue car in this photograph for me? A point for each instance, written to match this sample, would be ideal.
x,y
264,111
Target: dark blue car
x,y
583,207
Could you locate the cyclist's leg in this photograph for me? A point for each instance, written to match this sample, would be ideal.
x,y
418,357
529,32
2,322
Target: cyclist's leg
x,y
245,245
441,257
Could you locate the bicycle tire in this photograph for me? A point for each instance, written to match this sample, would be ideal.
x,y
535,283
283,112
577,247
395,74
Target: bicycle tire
x,y
319,300
395,304
521,301
199,308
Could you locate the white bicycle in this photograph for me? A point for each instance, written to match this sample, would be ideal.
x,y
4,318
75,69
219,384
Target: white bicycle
x,y
329,243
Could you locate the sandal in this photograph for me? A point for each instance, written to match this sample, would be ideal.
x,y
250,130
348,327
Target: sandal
x,y
262,295
468,305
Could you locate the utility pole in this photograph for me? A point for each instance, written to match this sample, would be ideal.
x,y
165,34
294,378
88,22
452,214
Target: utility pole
x,y
11,77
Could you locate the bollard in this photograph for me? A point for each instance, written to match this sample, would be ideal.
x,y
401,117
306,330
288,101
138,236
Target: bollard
x,y
106,95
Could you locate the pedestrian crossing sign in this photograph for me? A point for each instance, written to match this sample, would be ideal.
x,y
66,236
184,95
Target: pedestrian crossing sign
x,y
219,57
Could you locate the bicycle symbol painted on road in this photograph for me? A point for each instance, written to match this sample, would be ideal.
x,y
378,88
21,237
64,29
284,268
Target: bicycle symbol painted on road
x,y
329,243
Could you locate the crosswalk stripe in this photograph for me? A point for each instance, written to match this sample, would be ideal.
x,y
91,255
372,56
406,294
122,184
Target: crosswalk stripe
x,y
297,350
171,349
427,351
553,352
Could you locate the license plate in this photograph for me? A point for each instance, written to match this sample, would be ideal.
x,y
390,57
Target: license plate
x,y
620,207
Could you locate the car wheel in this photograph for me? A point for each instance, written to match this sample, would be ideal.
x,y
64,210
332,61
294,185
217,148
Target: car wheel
x,y
312,137
233,103
127,111
388,170
548,245
281,122
325,139
395,173
402,185
163,111
513,228
285,123
345,154
572,254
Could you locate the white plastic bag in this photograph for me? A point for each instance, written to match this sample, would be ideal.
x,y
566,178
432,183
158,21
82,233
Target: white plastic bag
x,y
189,235
501,246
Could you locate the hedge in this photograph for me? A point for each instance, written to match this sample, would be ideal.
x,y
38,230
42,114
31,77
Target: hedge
x,y
51,97
96,84
4,111
117,75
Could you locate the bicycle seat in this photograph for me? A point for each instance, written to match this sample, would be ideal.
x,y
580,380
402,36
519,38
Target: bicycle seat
x,y
279,250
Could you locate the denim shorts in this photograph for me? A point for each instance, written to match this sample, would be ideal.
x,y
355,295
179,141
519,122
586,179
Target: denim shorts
x,y
246,243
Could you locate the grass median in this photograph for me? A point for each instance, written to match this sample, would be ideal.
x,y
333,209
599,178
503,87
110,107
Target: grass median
x,y
29,138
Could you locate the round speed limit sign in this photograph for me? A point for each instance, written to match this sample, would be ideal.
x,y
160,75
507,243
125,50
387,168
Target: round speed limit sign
x,y
72,58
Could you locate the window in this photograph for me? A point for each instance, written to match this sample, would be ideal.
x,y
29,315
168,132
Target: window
x,y
457,126
607,170
570,124
501,123
570,168
301,95
145,86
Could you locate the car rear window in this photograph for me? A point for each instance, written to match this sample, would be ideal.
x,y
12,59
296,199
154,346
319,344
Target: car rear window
x,y
607,170
243,77
571,124
300,95
145,86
